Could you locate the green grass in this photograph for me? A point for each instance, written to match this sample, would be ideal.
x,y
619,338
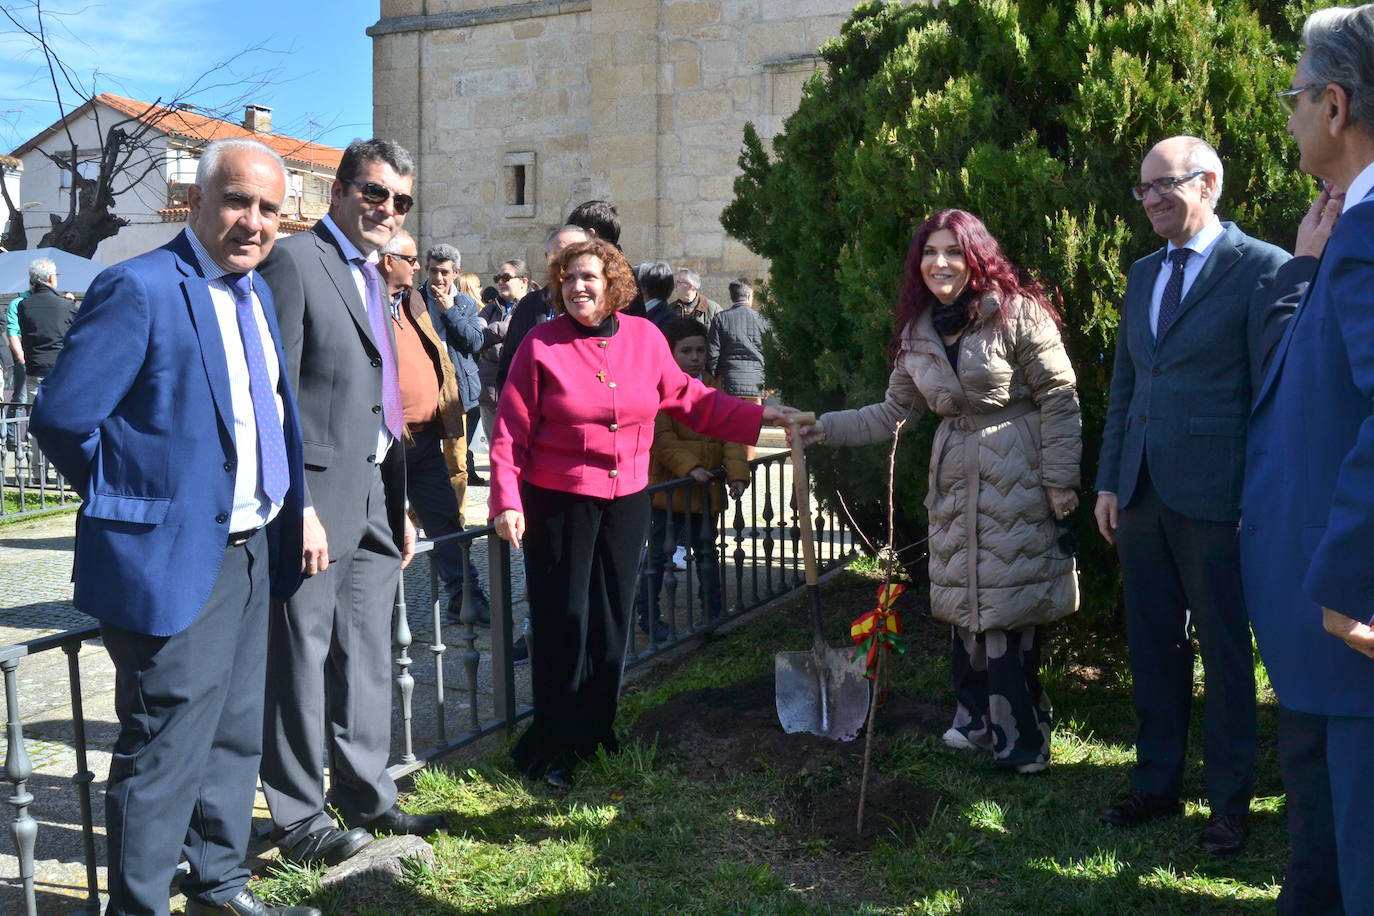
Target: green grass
x,y
637,835
32,504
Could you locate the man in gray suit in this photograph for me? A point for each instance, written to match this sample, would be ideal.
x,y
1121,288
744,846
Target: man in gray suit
x,y
1169,480
329,687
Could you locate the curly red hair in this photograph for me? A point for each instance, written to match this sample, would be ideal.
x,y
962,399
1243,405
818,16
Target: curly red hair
x,y
989,270
620,281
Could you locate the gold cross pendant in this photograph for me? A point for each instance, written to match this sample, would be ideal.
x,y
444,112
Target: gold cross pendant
x,y
601,375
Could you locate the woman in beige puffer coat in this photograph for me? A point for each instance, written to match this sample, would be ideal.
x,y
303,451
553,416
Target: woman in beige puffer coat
x,y
978,343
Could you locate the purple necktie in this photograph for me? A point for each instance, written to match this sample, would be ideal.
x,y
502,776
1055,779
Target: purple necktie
x,y
1173,291
271,442
392,413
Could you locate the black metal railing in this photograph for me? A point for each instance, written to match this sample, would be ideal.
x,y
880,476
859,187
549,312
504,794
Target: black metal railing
x,y
474,691
29,485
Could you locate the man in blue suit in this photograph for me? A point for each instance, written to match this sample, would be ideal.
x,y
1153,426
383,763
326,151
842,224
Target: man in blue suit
x,y
1188,356
169,410
1308,512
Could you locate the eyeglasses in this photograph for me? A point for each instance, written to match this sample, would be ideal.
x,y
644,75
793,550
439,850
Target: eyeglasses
x,y
377,194
1165,185
506,278
1289,97
412,259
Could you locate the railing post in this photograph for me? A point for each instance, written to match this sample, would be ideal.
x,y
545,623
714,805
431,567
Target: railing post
x,y
405,683
437,648
17,771
502,631
472,656
83,777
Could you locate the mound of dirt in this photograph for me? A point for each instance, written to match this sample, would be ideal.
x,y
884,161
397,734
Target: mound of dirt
x,y
720,731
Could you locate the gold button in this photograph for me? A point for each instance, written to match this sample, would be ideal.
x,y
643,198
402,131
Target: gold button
x,y
601,344
610,384
615,426
613,473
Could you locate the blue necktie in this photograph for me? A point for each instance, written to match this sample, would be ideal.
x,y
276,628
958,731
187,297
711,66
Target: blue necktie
x,y
1173,291
393,415
271,442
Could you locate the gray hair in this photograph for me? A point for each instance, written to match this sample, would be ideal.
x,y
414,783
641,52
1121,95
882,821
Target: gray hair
x,y
561,230
394,246
1202,156
360,151
691,276
41,271
437,253
522,270
1340,50
212,158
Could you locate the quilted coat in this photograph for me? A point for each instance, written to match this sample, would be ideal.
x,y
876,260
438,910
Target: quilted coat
x,y
1010,427
678,449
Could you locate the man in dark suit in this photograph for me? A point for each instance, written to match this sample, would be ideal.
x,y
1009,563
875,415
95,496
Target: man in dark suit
x,y
1308,518
330,690
169,410
1188,352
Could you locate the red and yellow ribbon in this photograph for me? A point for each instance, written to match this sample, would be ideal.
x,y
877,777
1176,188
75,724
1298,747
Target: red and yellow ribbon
x,y
879,630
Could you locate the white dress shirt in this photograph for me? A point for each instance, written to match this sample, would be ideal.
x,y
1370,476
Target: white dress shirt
x,y
252,509
1201,245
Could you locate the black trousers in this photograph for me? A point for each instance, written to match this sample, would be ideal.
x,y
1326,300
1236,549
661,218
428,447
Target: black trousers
x,y
472,421
436,505
1183,574
582,556
185,766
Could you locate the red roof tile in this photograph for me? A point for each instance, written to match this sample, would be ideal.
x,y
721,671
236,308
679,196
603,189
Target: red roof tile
x,y
188,123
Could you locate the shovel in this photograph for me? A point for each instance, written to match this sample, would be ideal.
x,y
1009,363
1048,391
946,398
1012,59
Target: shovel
x,y
823,690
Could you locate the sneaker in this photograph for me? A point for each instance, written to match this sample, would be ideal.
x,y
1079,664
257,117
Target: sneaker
x,y
680,559
958,740
520,652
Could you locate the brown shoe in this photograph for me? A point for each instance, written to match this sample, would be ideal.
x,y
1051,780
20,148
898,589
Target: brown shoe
x,y
1224,835
1137,808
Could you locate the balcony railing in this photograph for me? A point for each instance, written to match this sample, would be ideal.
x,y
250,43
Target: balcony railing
x,y
29,485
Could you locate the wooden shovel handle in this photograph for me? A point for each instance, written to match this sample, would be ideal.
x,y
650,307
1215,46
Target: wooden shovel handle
x,y
801,487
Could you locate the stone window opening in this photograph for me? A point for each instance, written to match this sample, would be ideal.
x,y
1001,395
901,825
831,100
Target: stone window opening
x,y
519,185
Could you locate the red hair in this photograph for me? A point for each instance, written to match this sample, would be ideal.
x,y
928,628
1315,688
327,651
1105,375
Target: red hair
x,y
988,271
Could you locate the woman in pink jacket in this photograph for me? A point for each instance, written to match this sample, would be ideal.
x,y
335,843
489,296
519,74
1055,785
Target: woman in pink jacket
x,y
570,461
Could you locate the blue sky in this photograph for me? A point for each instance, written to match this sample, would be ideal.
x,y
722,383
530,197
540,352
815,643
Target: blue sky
x,y
315,57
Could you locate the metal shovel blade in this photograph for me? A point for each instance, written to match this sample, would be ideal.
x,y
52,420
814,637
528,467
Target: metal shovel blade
x,y
822,692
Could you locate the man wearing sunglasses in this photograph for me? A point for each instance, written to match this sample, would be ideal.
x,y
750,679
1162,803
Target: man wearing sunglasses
x,y
1309,492
329,685
1188,360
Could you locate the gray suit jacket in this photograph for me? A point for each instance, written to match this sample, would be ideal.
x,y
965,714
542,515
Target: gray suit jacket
x,y
1180,403
336,370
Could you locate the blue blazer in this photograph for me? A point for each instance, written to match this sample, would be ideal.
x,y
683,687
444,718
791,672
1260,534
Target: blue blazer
x,y
1180,403
137,416
1307,531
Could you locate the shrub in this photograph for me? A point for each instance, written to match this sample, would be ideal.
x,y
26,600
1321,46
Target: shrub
x,y
1034,115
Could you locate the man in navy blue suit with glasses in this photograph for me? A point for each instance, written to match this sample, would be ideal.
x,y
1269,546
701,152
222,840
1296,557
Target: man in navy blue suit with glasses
x,y
1307,514
170,411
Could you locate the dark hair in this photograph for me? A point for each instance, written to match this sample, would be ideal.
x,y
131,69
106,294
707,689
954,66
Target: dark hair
x,y
620,283
680,327
656,280
388,151
522,270
988,271
739,288
599,216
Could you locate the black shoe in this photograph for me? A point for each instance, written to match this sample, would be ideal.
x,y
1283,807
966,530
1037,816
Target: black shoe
x,y
481,606
520,652
659,632
246,903
476,480
394,820
1224,835
1137,808
329,845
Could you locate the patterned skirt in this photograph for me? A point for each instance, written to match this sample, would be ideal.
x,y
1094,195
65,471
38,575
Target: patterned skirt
x,y
1002,707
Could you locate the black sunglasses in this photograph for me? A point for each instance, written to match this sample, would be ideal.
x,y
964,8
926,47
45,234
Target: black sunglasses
x,y
377,194
506,278
412,259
